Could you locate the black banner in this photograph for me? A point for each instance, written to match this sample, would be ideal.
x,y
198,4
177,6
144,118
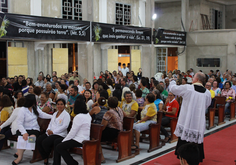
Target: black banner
x,y
15,26
120,34
169,37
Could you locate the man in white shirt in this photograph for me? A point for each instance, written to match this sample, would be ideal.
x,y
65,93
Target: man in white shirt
x,y
191,72
119,66
192,122
40,81
124,70
80,88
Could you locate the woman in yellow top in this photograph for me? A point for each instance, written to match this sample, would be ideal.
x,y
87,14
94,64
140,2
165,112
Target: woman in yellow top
x,y
7,108
148,116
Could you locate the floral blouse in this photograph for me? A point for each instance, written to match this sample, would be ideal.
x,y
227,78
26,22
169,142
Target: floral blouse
x,y
47,104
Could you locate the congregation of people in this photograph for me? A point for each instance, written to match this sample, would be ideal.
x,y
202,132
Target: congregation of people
x,y
107,100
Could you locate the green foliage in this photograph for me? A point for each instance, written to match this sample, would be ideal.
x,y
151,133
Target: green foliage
x,y
5,24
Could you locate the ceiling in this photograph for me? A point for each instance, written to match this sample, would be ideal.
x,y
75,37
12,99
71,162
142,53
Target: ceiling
x,y
223,2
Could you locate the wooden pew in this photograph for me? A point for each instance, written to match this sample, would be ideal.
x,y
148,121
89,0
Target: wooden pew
x,y
43,124
91,152
173,124
91,147
154,134
211,118
232,110
124,140
220,102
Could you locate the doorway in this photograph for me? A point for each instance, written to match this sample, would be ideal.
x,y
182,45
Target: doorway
x,y
124,56
3,59
72,56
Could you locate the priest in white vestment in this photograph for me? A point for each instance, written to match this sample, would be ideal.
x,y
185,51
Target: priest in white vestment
x,y
191,122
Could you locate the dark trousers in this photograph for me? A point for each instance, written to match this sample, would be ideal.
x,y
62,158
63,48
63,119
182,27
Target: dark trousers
x,y
164,122
46,143
62,150
7,132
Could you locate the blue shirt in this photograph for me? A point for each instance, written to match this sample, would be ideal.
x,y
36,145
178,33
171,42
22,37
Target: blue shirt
x,y
72,99
157,102
234,88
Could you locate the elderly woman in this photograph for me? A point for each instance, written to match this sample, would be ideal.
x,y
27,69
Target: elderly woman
x,y
229,93
79,132
148,116
27,122
49,90
112,122
57,129
45,103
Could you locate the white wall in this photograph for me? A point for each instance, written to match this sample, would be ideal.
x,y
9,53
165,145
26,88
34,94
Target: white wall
x,y
230,18
212,44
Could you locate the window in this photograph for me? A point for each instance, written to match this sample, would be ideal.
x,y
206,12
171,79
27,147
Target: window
x,y
216,19
161,59
208,62
4,6
123,14
72,9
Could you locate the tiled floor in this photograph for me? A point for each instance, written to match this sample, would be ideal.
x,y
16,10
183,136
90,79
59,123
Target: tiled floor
x,y
6,156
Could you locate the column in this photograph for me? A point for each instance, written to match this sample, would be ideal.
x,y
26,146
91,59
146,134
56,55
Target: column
x,y
87,12
148,57
104,59
182,63
98,63
142,13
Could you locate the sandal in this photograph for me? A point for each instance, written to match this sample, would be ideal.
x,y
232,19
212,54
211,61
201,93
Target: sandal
x,y
15,155
168,140
134,147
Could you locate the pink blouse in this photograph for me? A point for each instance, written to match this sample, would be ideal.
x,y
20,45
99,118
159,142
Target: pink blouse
x,y
230,93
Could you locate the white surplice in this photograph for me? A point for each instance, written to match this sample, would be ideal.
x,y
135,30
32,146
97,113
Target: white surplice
x,y
191,122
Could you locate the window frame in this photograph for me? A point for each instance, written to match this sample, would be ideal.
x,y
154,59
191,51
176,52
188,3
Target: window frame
x,y
73,8
220,64
7,8
123,15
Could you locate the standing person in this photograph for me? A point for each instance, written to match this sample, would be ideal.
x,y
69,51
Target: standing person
x,y
119,66
192,122
124,70
139,74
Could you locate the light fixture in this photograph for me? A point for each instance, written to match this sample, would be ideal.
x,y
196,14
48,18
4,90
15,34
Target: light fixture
x,y
154,16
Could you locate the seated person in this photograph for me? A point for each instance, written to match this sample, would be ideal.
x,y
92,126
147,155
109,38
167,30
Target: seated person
x,y
45,103
170,109
88,99
189,154
148,116
229,93
98,111
102,93
128,105
208,86
49,90
139,98
10,127
57,129
79,132
158,102
73,95
112,122
7,108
